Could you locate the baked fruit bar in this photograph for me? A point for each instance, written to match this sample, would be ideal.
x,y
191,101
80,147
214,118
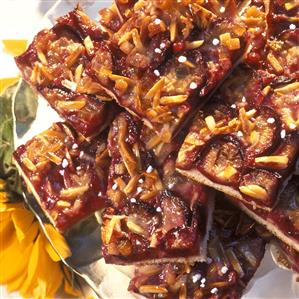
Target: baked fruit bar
x,y
235,250
66,174
145,222
168,56
57,65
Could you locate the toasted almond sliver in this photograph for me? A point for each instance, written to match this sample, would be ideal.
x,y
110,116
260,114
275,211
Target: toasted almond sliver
x,y
153,142
148,195
291,5
29,164
275,63
131,186
73,191
63,204
157,87
88,45
136,40
54,158
284,160
125,37
120,183
228,172
173,99
114,77
133,227
41,56
210,122
195,44
71,105
152,289
173,30
78,73
287,88
254,191
69,84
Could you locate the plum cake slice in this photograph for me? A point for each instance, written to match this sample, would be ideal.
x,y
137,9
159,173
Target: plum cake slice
x,y
66,174
144,221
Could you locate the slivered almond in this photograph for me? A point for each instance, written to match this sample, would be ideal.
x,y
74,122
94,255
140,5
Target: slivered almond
x,y
46,73
148,195
70,105
283,160
254,191
120,183
54,158
41,56
173,30
274,63
287,88
125,37
195,44
266,90
114,77
228,172
291,5
131,186
76,51
167,100
29,164
114,224
135,228
78,73
152,289
69,84
73,191
121,85
210,122
153,142
88,45
136,39
157,87
63,204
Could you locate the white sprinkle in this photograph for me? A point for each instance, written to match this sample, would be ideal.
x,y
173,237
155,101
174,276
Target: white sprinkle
x,y
224,269
215,41
159,210
239,134
162,45
209,260
139,189
133,200
202,285
149,169
222,9
234,106
138,242
182,59
100,193
81,154
292,126
61,172
65,163
157,73
214,290
157,50
243,100
193,85
75,145
283,133
271,120
114,186
157,21
203,280
78,168
292,26
196,277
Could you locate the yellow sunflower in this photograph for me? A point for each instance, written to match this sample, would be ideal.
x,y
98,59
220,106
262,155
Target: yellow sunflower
x,y
28,262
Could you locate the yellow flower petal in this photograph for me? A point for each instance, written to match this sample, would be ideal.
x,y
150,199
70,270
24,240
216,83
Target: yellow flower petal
x,y
22,220
6,234
3,195
31,233
14,260
4,207
15,284
58,241
2,184
14,46
6,82
40,291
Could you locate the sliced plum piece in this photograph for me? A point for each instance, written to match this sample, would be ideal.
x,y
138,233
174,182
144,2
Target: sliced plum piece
x,y
260,185
222,160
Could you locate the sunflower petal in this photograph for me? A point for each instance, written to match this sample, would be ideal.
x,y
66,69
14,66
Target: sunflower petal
x,y
15,284
22,220
6,233
40,291
14,47
6,207
31,233
58,241
3,195
14,260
